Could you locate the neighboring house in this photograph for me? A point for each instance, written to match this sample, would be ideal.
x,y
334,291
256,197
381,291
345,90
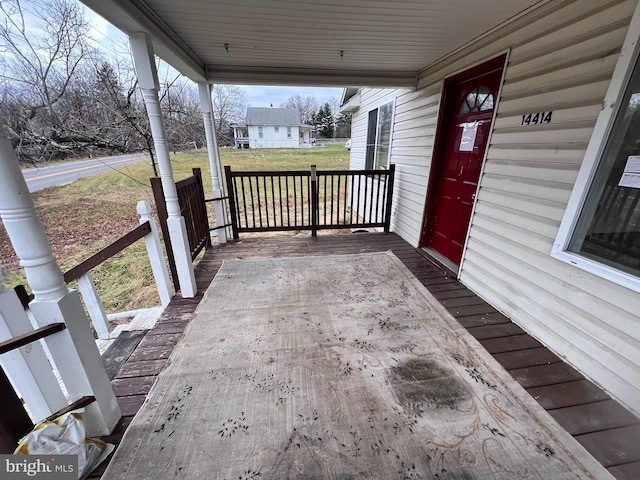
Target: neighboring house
x,y
272,128
518,166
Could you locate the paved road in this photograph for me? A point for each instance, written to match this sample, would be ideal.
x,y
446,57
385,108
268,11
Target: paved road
x,y
63,173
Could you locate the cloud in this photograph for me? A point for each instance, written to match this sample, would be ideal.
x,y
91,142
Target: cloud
x,y
264,96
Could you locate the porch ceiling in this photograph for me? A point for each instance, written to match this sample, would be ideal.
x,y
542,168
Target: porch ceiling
x,y
292,42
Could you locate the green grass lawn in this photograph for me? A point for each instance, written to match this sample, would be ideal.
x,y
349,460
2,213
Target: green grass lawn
x,y
85,216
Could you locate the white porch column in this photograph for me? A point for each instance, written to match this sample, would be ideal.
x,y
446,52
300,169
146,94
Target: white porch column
x,y
214,157
142,51
73,350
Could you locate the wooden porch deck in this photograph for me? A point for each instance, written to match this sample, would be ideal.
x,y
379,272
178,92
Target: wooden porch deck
x,y
601,425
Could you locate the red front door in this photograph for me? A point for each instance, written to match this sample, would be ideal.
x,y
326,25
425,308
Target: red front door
x,y
462,140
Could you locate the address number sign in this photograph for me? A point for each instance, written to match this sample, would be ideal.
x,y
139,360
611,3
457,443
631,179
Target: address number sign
x,y
536,118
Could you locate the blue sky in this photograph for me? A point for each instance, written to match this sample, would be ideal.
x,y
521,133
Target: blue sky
x,y
109,38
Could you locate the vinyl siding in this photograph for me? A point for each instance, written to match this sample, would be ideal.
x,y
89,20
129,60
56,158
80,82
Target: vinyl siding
x,y
561,59
273,139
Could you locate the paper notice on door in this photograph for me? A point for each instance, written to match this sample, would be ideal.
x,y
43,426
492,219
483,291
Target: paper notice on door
x,y
631,175
468,139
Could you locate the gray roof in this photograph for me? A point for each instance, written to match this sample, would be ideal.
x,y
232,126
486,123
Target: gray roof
x,y
285,117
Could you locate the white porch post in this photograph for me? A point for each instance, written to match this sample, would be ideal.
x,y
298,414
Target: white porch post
x,y
28,367
214,157
156,257
142,51
73,350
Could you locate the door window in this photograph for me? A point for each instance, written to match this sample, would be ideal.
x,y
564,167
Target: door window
x,y
479,99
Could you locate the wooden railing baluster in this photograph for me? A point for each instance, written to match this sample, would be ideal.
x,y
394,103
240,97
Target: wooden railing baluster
x,y
310,200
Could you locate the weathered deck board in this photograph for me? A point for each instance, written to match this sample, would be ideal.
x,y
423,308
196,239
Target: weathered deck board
x,y
496,331
593,417
617,448
469,321
567,394
526,358
613,447
628,471
510,344
545,375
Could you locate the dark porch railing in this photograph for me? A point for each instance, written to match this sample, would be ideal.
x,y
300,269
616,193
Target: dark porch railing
x,y
194,210
263,201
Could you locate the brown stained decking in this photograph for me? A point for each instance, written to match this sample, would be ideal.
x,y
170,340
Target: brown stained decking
x,y
601,425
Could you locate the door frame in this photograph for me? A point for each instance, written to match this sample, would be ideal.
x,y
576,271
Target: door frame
x,y
445,114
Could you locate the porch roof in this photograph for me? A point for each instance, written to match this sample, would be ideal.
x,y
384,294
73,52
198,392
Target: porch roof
x,y
317,42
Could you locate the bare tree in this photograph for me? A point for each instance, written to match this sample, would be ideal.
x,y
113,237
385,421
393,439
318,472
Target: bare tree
x,y
229,106
307,105
61,98
43,49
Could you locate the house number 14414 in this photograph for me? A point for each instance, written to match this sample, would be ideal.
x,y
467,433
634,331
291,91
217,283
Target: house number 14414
x,y
536,118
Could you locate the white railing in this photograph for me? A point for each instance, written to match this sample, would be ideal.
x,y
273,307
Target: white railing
x,y
82,272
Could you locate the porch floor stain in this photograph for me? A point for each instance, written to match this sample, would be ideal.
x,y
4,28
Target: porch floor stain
x,y
600,424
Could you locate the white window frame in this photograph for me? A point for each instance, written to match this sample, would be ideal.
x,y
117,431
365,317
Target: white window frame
x,y
260,132
288,132
276,129
619,81
393,114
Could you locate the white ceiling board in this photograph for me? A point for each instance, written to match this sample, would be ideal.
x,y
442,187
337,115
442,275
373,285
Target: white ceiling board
x,y
293,41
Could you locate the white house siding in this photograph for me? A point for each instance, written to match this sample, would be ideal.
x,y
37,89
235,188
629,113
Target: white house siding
x,y
411,139
561,58
273,139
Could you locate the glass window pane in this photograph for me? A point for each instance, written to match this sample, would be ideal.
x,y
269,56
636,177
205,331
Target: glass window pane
x,y
371,139
383,135
484,99
480,99
608,228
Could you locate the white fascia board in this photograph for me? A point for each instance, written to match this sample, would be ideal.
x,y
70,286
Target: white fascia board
x,y
242,75
134,16
351,105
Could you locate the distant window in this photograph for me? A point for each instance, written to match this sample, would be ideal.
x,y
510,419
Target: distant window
x,y
276,129
288,132
260,132
379,137
479,99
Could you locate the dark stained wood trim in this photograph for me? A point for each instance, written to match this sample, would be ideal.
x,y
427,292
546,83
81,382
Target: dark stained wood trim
x,y
107,252
24,296
14,420
30,337
80,403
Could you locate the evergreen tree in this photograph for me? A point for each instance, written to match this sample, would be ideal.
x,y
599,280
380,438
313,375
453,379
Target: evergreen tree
x,y
343,125
324,121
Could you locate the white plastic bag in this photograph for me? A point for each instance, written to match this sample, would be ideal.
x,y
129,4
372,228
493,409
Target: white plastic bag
x,y
66,435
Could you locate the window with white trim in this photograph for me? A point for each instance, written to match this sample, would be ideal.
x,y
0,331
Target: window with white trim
x,y
600,232
608,227
379,137
276,129
288,132
260,132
